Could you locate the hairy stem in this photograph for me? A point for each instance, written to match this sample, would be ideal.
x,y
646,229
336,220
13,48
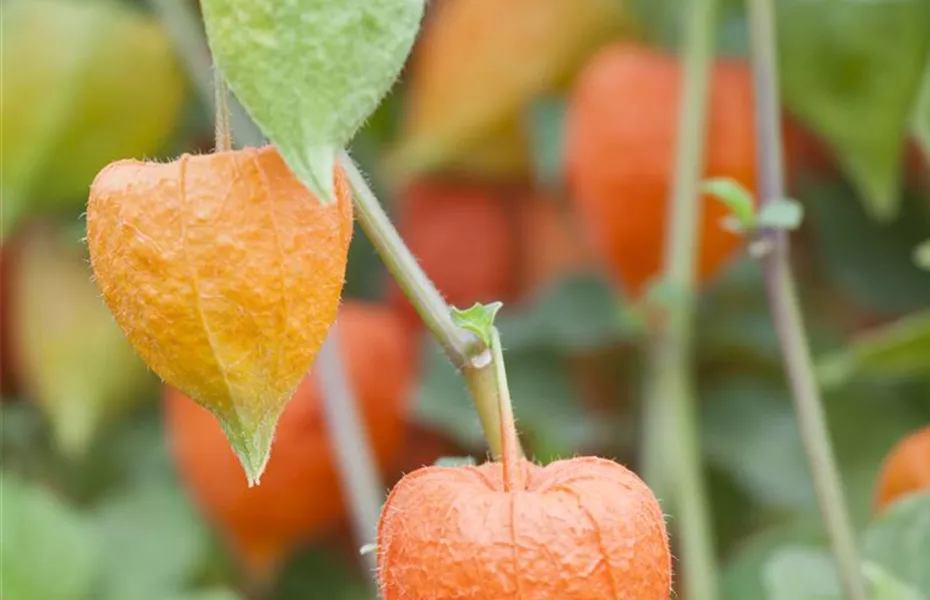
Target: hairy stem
x,y
673,449
786,313
464,349
183,24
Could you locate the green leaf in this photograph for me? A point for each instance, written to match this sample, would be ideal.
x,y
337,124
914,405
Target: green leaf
x,y
47,549
748,422
310,72
735,197
782,213
805,573
872,264
922,255
885,586
899,541
101,83
895,351
455,461
152,541
546,117
479,319
799,573
576,312
744,574
851,71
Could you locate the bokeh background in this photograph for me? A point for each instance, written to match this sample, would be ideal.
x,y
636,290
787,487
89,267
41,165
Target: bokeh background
x,y
485,154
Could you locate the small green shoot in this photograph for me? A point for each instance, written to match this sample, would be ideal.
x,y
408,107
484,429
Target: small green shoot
x,y
479,319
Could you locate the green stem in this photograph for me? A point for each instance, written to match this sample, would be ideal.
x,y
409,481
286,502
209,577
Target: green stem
x,y
673,449
464,349
183,24
223,131
511,452
786,312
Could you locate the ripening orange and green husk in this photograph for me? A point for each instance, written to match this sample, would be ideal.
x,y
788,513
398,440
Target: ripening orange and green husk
x,y
301,494
478,65
225,273
906,469
579,529
621,132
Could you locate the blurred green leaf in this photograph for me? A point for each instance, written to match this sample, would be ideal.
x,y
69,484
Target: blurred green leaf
x,y
898,350
47,549
546,119
899,540
872,263
750,432
576,312
101,84
750,423
744,571
152,541
805,573
851,71
799,573
546,404
74,360
885,586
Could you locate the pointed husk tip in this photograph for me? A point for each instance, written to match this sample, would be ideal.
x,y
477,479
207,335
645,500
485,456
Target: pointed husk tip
x,y
251,444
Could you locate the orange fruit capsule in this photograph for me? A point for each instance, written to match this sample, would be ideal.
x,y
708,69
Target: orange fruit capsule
x,y
906,469
621,133
580,529
225,273
300,495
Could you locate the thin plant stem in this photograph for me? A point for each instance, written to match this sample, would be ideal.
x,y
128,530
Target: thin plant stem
x,y
786,312
183,25
357,467
222,129
464,349
510,442
673,449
